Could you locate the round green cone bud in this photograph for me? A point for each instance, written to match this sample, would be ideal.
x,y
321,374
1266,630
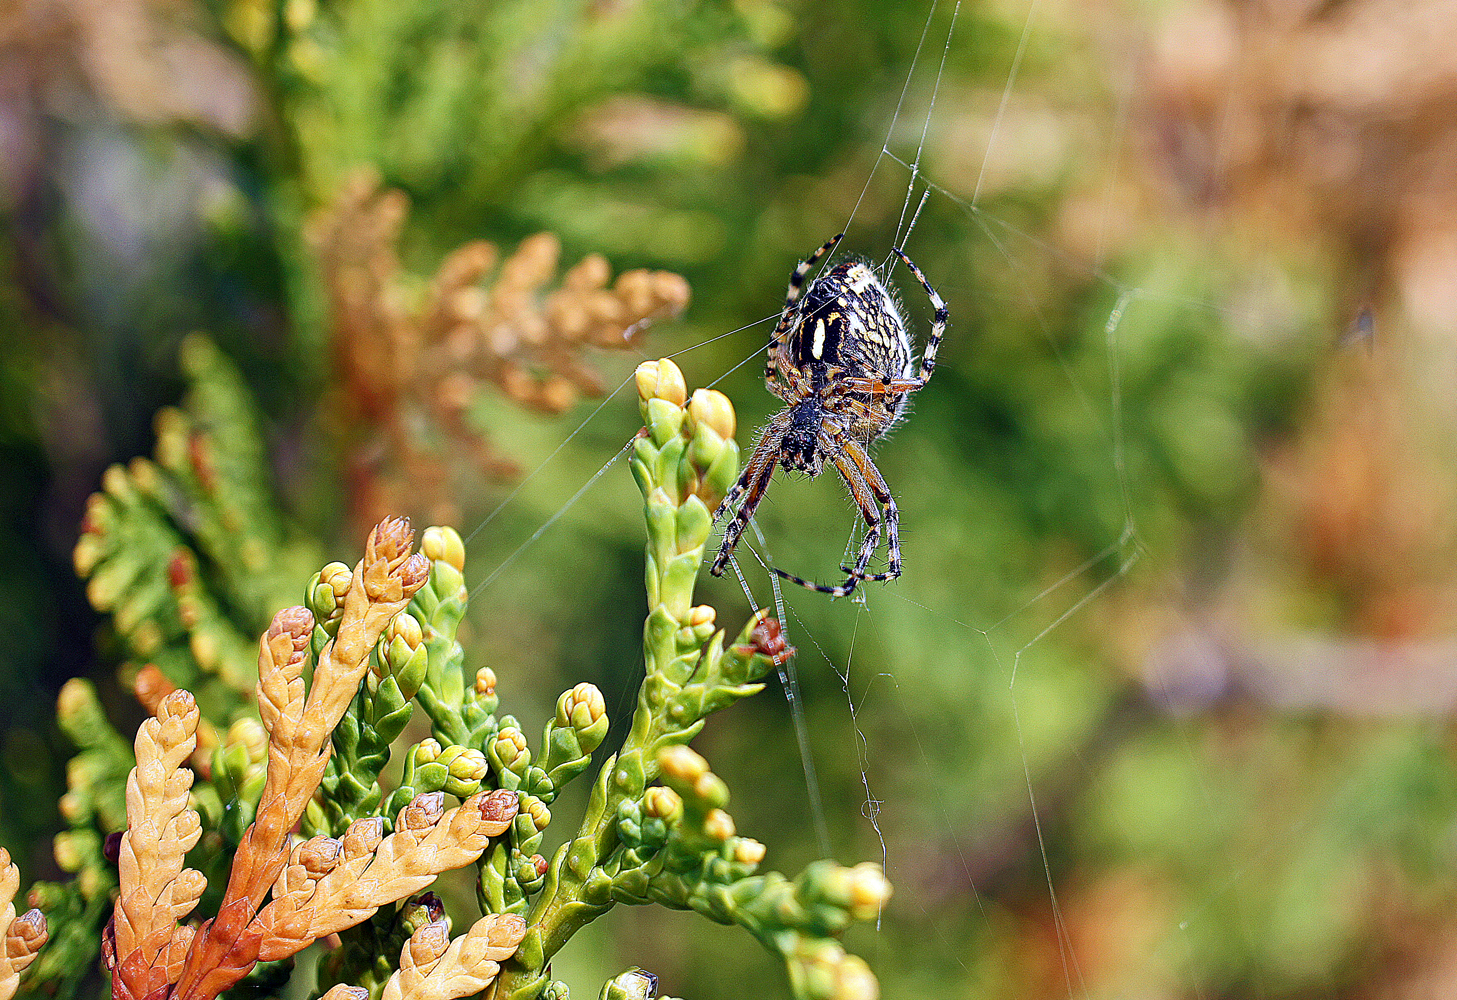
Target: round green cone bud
x,y
662,803
467,766
634,984
585,710
427,751
249,734
403,654
325,594
509,751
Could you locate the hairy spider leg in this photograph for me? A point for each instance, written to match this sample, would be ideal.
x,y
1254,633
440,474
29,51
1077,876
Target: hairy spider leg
x,y
890,512
866,486
752,485
881,387
791,297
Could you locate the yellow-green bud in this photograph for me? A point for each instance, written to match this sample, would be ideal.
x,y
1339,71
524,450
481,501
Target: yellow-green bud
x,y
251,736
866,890
72,806
70,851
580,707
718,825
702,615
75,698
467,767
537,810
405,626
83,771
427,751
661,380
442,544
711,790
683,763
711,409
748,851
634,984
509,749
402,652
326,592
854,980
661,802
90,882
485,682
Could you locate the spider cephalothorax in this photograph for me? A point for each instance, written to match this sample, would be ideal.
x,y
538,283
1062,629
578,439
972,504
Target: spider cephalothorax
x,y
842,361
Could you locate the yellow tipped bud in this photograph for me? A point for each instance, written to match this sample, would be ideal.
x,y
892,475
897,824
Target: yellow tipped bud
x,y
661,380
337,577
537,810
485,682
748,851
72,806
441,544
251,736
405,626
867,890
713,409
465,763
69,853
581,706
702,615
662,803
683,763
854,980
509,748
718,824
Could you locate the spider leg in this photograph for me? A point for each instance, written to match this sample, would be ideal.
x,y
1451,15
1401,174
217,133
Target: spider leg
x,y
938,325
865,495
891,514
881,386
752,485
796,285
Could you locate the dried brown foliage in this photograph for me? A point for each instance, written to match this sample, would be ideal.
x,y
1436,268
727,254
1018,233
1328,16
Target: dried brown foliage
x,y
282,896
414,356
1333,124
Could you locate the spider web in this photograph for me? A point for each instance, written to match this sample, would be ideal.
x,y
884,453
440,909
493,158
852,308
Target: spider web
x,y
903,672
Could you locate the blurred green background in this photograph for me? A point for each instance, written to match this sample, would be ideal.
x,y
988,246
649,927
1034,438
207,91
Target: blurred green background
x,y
1159,708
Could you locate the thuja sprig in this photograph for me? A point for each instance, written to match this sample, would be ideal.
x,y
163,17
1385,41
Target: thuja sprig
x,y
315,887
674,844
185,550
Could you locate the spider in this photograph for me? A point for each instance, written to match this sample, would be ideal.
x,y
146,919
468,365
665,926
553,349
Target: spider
x,y
842,363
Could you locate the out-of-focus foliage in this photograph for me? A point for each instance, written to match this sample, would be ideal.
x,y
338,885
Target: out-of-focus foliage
x,y
1200,274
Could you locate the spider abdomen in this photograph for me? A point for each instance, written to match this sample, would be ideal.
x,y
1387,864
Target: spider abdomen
x,y
851,322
